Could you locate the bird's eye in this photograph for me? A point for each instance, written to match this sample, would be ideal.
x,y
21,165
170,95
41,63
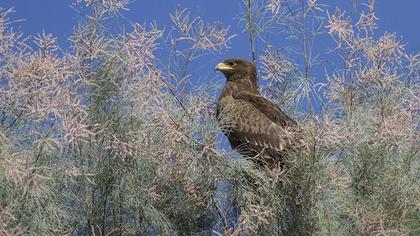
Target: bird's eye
x,y
233,63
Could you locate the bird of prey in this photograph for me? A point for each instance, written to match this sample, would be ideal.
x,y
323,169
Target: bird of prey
x,y
254,125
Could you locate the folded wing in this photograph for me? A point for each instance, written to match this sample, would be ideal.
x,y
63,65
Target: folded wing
x,y
257,125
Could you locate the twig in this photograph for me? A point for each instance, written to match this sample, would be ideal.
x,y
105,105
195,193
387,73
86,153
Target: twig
x,y
14,121
250,29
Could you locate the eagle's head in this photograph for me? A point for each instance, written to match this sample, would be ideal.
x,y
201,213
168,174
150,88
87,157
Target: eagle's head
x,y
236,68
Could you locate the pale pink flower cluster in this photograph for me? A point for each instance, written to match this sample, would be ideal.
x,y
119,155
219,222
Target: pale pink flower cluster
x,y
387,48
340,24
140,45
367,21
198,34
274,6
397,129
112,5
24,175
75,128
275,67
112,100
313,4
258,216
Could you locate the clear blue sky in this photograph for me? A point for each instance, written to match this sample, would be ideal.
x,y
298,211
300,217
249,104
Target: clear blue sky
x,y
58,18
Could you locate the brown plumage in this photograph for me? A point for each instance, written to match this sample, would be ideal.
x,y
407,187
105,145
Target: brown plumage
x,y
254,125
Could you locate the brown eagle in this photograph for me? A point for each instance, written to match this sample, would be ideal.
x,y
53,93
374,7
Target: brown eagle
x,y
254,125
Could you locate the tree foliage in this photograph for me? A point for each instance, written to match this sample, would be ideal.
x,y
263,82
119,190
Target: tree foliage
x,y
107,138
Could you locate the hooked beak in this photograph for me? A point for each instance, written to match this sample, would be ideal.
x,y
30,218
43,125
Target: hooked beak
x,y
222,67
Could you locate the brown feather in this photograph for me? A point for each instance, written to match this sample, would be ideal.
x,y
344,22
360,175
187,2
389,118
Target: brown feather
x,y
253,124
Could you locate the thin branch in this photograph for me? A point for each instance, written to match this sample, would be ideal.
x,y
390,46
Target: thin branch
x,y
251,29
14,121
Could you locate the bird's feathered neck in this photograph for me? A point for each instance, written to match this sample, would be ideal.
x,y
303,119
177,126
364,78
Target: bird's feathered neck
x,y
247,80
235,86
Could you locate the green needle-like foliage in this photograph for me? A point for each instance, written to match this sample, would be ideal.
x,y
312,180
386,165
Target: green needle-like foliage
x,y
107,138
